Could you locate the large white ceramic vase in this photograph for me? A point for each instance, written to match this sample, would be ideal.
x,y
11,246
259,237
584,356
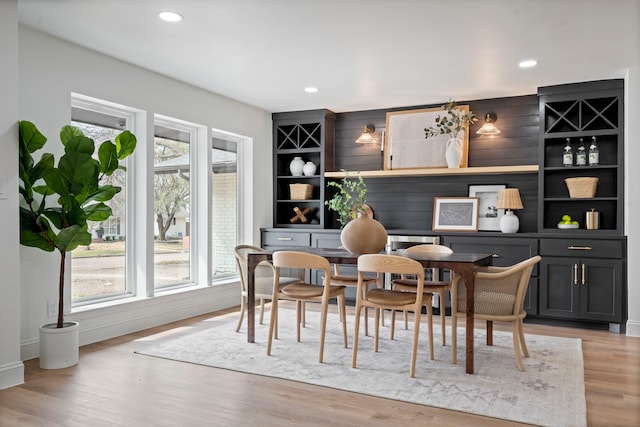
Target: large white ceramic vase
x,y
363,235
453,152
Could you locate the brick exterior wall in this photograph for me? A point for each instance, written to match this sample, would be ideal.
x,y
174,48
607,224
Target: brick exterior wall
x,y
224,222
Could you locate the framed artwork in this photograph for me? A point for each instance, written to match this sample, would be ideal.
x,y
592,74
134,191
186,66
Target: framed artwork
x,y
455,214
488,215
407,148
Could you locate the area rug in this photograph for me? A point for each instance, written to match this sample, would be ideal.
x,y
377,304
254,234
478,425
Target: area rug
x,y
549,393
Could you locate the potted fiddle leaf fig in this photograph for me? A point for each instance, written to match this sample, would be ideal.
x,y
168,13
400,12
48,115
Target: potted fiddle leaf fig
x,y
57,201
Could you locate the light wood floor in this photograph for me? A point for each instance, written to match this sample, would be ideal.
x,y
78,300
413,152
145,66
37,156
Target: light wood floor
x,y
112,387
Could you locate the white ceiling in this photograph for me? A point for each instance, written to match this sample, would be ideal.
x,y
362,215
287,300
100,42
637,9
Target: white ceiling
x,y
361,54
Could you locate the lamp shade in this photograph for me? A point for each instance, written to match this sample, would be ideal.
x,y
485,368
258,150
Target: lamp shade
x,y
488,128
509,198
367,136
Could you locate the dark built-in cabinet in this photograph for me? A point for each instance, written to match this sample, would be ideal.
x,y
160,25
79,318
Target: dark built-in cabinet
x,y
582,275
308,135
581,111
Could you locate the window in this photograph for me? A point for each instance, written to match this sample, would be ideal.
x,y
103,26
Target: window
x,y
98,271
172,202
224,204
181,227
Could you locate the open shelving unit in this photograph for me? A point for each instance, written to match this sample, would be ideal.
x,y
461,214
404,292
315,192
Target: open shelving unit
x,y
574,112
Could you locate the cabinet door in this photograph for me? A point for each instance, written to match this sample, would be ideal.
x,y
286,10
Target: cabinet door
x,y
601,290
559,287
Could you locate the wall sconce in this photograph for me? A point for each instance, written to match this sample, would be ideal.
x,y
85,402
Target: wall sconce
x,y
488,128
508,199
367,136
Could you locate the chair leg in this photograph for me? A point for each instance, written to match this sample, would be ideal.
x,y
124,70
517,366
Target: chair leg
x,y
261,310
242,309
366,321
454,339
393,322
272,324
516,345
299,308
414,349
323,328
489,332
443,316
406,320
355,335
377,330
304,314
430,325
343,314
523,343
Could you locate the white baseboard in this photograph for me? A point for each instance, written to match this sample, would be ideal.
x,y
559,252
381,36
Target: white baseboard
x,y
633,328
11,374
135,315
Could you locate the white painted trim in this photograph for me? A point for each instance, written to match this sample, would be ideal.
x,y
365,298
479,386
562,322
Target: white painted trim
x,y
127,316
11,374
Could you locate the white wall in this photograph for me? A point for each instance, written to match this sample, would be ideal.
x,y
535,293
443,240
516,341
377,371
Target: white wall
x,y
11,368
50,70
632,197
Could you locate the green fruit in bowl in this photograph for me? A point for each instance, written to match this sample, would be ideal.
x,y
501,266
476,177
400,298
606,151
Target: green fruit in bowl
x,y
566,219
574,222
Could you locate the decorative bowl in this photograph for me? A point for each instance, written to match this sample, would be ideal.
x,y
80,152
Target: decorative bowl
x,y
568,226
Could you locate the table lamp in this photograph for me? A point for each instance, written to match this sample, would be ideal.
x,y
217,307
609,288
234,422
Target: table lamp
x,y
508,199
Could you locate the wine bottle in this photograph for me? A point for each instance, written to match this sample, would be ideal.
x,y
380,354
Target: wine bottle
x,y
567,154
581,154
594,153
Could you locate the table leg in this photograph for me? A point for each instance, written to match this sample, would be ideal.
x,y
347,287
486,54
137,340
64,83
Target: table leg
x,y
467,275
252,262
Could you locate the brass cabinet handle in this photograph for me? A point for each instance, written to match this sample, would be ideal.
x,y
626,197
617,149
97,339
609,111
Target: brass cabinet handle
x,y
579,248
575,274
584,274
284,238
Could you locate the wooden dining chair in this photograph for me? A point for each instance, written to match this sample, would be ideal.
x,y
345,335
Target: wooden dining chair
x,y
498,296
264,274
380,299
430,286
340,279
304,292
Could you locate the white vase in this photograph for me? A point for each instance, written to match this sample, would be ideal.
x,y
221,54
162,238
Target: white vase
x,y
363,235
296,166
453,153
59,347
309,168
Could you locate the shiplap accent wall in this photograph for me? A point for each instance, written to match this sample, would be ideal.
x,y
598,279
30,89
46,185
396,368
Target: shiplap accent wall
x,y
407,202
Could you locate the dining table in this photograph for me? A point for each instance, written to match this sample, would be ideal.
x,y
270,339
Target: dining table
x,y
462,264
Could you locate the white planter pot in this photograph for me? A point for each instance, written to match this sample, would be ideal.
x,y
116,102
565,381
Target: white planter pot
x,y
59,347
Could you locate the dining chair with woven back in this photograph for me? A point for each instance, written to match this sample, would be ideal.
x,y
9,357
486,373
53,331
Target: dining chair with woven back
x,y
380,299
499,294
302,292
434,286
264,274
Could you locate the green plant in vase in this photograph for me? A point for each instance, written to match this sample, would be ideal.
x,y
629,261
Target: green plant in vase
x,y
452,123
349,200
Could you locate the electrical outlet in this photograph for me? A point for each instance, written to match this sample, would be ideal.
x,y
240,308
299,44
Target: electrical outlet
x,y
52,308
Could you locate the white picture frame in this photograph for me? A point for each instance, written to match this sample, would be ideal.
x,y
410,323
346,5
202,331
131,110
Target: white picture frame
x,y
488,215
455,214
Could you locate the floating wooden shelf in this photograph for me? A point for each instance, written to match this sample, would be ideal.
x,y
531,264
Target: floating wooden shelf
x,y
487,170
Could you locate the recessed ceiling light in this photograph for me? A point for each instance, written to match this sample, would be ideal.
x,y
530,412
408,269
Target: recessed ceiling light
x,y
310,89
528,63
168,16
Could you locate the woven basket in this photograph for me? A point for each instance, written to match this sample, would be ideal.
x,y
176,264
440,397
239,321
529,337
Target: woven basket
x,y
582,188
301,191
